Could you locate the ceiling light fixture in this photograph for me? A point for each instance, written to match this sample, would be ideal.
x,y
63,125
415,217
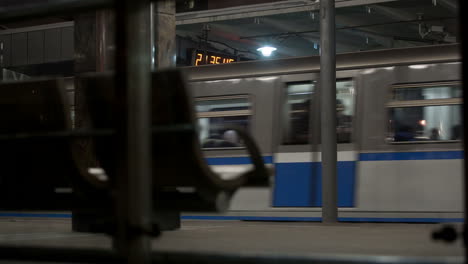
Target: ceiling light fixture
x,y
419,66
266,50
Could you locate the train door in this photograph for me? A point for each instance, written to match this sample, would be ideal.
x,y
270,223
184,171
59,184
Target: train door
x,y
298,157
245,103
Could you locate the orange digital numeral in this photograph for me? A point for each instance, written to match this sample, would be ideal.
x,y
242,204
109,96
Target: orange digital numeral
x,y
228,60
199,59
212,59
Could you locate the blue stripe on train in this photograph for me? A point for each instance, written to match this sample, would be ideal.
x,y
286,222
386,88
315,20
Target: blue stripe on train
x,y
300,184
34,215
262,218
235,160
432,155
319,219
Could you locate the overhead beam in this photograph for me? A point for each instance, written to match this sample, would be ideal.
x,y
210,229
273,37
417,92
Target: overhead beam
x,y
249,11
452,5
39,27
393,13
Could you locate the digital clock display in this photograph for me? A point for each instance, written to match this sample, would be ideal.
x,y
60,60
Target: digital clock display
x,y
203,58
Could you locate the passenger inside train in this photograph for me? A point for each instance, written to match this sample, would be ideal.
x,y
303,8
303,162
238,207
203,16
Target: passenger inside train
x,y
343,123
229,139
425,112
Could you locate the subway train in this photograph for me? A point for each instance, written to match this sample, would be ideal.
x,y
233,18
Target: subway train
x,y
398,135
399,132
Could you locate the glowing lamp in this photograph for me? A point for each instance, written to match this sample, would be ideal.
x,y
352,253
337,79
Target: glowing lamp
x,y
267,50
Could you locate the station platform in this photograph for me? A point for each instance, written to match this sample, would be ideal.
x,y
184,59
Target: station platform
x,y
383,242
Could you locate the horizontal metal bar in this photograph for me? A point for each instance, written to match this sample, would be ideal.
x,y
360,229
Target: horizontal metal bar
x,y
174,128
225,97
429,102
91,133
424,85
58,7
74,255
224,113
56,134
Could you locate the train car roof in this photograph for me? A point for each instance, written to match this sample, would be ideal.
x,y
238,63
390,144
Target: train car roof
x,y
344,61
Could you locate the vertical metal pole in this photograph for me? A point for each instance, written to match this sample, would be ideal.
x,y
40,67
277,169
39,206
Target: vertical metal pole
x,y
463,30
133,67
328,110
152,37
2,48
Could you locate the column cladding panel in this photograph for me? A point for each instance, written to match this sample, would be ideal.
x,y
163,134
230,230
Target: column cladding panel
x,y
36,47
19,52
52,45
5,50
67,43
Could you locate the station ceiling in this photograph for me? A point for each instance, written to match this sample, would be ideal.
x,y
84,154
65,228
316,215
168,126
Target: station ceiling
x,y
292,26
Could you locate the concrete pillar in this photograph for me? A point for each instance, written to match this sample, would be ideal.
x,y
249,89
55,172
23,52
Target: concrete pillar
x,y
94,41
163,37
94,50
163,51
94,46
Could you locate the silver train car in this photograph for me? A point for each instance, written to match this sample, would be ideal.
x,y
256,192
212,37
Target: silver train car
x,y
399,134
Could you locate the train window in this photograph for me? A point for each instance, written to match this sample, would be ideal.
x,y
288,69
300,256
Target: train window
x,y
344,110
425,113
217,114
297,108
